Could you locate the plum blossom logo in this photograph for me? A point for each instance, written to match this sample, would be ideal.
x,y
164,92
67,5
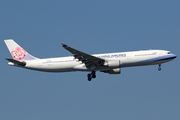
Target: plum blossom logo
x,y
18,53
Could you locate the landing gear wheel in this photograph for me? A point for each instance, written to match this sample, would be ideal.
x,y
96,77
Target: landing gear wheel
x,y
93,76
89,77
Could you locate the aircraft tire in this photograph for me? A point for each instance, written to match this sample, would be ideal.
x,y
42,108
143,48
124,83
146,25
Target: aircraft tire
x,y
159,69
93,76
89,77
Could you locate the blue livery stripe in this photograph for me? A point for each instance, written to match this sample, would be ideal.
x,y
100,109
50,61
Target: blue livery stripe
x,y
161,58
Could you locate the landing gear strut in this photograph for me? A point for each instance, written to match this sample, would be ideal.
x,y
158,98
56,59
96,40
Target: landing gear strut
x,y
159,67
92,75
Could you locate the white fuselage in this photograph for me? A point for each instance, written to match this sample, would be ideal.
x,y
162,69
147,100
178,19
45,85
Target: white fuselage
x,y
127,59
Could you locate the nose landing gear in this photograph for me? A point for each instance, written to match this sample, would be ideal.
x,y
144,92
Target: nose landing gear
x,y
92,75
159,67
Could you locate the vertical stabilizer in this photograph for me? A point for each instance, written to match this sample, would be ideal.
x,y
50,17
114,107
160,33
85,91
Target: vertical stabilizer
x,y
17,52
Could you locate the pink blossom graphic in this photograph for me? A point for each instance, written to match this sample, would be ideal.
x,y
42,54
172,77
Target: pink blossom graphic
x,y
18,53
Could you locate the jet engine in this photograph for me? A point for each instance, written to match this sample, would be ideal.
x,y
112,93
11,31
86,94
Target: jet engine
x,y
113,71
112,63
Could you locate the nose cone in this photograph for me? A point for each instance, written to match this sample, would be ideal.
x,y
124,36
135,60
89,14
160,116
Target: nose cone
x,y
173,56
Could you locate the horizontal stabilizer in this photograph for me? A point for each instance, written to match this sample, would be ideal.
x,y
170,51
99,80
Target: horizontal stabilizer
x,y
16,62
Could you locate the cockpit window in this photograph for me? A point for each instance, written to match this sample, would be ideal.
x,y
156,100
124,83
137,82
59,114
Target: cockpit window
x,y
169,53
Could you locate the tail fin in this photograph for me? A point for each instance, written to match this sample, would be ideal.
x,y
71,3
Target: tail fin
x,y
17,52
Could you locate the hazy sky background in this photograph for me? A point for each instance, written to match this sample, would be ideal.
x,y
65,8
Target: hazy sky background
x,y
95,26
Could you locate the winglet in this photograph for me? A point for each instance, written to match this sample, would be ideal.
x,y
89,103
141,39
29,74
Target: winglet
x,y
64,45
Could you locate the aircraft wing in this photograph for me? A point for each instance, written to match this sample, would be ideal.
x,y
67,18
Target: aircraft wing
x,y
85,58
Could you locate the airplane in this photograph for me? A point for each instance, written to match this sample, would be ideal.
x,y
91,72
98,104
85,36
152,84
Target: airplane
x,y
108,62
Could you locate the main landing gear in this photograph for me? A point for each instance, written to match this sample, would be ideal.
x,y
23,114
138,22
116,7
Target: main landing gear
x,y
92,75
159,67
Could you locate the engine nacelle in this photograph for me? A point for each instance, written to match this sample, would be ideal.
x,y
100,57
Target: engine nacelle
x,y
113,63
113,71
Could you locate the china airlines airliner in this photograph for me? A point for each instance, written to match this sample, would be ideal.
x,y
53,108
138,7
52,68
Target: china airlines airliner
x,y
108,63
